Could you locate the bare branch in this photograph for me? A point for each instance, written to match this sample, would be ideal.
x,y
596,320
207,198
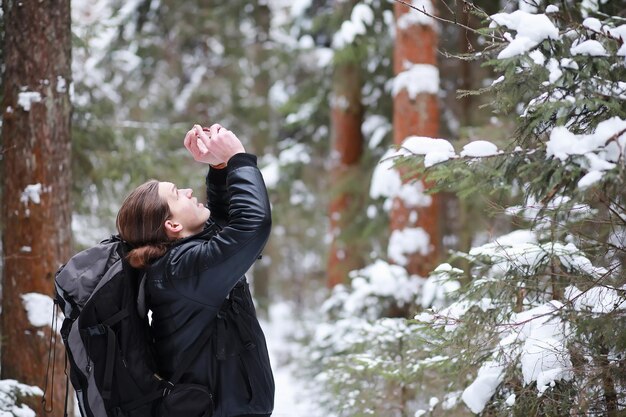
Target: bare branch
x,y
423,11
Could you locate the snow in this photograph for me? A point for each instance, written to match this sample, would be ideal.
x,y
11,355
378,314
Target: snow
x,y
619,32
32,192
278,95
479,148
296,153
370,284
476,396
589,47
527,6
406,242
39,308
537,338
589,6
300,194
361,17
554,69
412,195
386,180
418,17
589,179
510,400
375,127
599,150
271,172
303,114
434,150
516,237
552,9
450,316
499,79
532,29
437,288
25,99
195,79
599,300
12,390
416,79
593,24
292,396
537,57
544,357
531,256
61,85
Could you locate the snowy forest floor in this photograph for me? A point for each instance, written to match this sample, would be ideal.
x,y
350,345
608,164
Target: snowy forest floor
x,y
292,397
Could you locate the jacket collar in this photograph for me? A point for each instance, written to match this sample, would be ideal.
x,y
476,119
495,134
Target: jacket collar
x,y
210,229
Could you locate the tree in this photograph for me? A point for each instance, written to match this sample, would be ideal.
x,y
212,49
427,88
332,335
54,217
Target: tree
x,y
36,210
547,300
416,113
346,113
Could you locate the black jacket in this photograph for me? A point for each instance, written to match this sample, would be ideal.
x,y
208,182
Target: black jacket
x,y
200,282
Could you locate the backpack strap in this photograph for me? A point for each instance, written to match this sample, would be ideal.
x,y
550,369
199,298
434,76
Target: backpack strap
x,y
105,329
141,297
107,384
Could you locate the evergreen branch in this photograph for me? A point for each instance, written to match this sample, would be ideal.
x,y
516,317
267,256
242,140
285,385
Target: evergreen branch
x,y
606,16
568,303
615,137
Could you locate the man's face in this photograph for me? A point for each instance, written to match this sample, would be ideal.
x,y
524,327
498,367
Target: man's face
x,y
188,216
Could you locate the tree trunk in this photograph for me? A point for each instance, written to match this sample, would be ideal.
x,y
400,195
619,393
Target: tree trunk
x,y
36,212
261,138
346,151
416,44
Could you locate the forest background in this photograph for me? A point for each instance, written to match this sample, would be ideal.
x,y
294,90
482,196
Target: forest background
x,y
321,91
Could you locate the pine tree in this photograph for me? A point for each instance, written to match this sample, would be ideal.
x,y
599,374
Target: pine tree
x,y
532,321
541,317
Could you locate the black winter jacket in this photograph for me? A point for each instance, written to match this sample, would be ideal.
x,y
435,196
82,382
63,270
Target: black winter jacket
x,y
200,282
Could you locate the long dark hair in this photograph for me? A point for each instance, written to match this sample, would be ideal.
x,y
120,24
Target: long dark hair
x,y
140,222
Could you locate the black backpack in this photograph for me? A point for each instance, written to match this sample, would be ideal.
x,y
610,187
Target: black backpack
x,y
108,344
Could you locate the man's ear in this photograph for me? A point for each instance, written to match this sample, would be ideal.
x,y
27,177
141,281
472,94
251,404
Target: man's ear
x,y
173,228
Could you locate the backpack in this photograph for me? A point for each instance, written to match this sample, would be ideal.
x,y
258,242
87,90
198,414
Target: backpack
x,y
107,340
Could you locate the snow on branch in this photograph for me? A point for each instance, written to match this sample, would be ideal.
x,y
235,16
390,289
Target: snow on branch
x,y
10,393
596,153
532,29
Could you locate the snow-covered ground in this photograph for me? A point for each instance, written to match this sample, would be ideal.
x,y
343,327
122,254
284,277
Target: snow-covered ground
x,y
292,397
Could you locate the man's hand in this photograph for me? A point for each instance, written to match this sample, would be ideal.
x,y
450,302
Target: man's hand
x,y
214,147
196,145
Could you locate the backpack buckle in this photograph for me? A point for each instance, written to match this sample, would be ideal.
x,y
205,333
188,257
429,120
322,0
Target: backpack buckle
x,y
168,388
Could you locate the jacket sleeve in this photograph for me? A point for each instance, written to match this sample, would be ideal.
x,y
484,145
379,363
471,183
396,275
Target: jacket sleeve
x,y
217,195
206,270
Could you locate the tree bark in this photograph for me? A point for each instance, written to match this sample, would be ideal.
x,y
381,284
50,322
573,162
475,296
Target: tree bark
x,y
36,220
347,148
416,44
